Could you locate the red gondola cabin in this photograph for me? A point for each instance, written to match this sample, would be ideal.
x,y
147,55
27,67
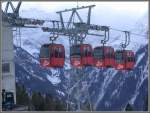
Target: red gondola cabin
x,y
52,55
81,55
104,56
125,59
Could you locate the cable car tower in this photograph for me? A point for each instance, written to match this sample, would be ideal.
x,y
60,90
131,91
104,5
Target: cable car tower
x,y
76,31
17,22
12,20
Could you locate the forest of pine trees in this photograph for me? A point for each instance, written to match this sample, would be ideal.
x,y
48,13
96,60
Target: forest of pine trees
x,y
129,107
38,102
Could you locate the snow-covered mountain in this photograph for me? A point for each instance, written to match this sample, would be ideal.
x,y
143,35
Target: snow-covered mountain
x,y
109,89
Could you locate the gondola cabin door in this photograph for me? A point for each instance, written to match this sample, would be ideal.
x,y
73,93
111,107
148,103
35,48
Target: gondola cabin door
x,y
119,60
129,59
87,55
104,56
98,57
81,55
57,55
109,58
124,59
75,56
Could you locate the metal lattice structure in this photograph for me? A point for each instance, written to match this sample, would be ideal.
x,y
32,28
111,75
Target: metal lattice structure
x,y
14,19
76,31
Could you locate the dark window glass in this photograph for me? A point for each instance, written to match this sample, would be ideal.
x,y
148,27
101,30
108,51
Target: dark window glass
x,y
6,68
58,52
131,59
44,52
75,51
87,51
109,53
98,53
129,54
119,57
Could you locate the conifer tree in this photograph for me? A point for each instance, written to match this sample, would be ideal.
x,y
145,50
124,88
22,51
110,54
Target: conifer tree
x,y
21,95
38,101
146,103
128,107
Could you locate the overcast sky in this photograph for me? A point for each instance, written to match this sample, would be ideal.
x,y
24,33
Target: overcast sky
x,y
117,13
120,15
139,7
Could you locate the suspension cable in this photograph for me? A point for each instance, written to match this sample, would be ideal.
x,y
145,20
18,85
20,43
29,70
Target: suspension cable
x,y
130,32
77,4
114,29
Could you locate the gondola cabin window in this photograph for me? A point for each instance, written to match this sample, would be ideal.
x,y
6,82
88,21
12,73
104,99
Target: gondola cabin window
x,y
130,57
109,53
98,53
87,51
75,51
44,52
58,52
119,57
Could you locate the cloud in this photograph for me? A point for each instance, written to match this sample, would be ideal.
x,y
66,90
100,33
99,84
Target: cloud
x,y
54,6
121,14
